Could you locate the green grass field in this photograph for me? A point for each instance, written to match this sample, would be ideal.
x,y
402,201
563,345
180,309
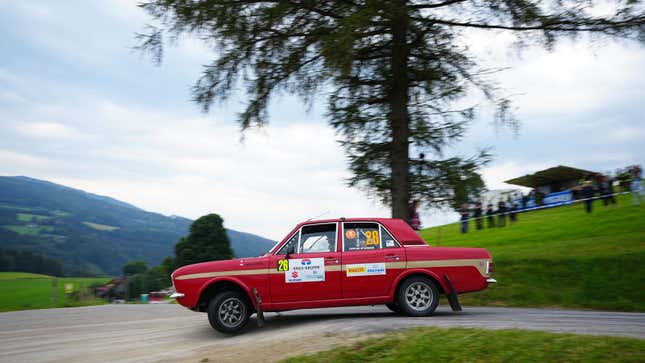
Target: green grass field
x,y
562,257
22,291
479,345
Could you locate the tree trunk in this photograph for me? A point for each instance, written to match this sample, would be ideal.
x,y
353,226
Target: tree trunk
x,y
399,118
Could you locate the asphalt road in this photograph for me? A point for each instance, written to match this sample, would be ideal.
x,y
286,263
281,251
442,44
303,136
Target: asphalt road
x,y
153,333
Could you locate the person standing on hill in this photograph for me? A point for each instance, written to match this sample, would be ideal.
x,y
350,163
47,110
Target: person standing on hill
x,y
610,188
637,184
512,216
415,221
588,194
490,215
465,214
501,213
478,215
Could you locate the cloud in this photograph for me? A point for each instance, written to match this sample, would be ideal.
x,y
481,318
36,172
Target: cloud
x,y
48,130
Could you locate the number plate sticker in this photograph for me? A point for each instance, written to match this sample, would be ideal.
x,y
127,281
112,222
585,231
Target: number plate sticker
x,y
283,265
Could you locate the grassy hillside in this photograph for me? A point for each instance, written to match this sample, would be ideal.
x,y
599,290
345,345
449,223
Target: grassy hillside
x,y
22,291
479,345
562,257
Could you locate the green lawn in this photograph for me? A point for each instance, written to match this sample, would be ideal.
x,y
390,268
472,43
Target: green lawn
x,y
562,257
479,345
22,291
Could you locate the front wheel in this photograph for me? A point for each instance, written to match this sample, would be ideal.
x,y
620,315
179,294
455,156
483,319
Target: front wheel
x,y
418,296
228,312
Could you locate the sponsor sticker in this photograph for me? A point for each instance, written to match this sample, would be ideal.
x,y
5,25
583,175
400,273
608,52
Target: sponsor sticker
x,y
367,269
305,270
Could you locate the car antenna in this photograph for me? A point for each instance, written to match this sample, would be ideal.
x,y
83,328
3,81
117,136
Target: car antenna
x,y
320,215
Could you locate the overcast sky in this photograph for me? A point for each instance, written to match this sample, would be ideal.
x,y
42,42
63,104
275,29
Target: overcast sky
x,y
80,108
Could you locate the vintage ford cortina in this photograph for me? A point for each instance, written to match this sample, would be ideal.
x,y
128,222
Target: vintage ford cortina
x,y
330,263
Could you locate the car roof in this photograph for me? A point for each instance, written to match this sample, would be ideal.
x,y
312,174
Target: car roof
x,y
399,228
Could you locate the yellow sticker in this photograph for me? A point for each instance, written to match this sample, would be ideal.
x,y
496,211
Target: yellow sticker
x,y
283,265
356,270
372,238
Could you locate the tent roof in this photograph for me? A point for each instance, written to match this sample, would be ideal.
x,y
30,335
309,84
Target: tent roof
x,y
548,176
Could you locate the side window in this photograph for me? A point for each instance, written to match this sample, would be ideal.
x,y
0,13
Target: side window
x,y
388,240
291,245
361,236
318,238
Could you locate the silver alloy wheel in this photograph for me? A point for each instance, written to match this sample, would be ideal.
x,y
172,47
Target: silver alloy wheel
x,y
231,312
419,296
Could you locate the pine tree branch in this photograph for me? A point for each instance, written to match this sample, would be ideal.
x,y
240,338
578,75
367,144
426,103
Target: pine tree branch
x,y
588,25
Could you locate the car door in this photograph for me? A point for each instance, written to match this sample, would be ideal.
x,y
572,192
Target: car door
x,y
312,268
372,259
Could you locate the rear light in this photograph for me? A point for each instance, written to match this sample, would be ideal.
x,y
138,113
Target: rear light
x,y
490,267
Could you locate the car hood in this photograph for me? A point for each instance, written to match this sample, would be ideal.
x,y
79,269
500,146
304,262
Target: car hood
x,y
220,266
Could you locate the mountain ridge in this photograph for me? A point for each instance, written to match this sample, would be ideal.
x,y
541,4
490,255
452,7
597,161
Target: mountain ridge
x,y
91,233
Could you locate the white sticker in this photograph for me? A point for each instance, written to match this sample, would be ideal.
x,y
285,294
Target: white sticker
x,y
389,243
305,270
366,269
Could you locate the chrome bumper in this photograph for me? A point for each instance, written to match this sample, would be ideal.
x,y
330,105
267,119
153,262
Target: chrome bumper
x,y
491,280
176,295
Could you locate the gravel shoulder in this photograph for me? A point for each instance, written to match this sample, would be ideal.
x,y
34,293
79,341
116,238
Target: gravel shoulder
x,y
171,333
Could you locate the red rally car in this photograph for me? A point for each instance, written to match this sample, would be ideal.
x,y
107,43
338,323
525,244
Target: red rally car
x,y
330,263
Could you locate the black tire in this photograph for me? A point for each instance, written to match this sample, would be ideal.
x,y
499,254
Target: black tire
x,y
418,296
229,312
394,307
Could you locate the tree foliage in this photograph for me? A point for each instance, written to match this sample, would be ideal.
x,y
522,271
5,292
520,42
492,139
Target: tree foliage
x,y
134,267
395,73
28,261
207,241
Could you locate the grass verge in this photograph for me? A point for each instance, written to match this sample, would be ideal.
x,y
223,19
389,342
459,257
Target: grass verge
x,y
479,345
24,291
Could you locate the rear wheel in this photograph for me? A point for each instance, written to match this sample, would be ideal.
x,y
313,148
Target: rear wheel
x,y
228,312
418,296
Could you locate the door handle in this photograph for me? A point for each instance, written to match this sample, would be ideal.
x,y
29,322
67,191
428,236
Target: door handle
x,y
392,257
331,260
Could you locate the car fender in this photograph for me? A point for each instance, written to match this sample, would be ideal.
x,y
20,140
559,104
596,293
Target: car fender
x,y
230,279
418,271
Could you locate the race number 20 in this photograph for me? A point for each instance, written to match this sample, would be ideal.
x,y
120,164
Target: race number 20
x,y
283,265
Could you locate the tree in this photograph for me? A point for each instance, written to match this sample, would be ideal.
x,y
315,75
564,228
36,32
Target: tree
x,y
395,71
135,267
207,241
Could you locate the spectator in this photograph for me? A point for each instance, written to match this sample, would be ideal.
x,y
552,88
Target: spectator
x,y
606,189
478,215
490,215
588,194
465,214
501,213
512,216
539,198
415,222
637,184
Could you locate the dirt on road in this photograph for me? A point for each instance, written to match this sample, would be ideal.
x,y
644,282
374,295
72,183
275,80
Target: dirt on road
x,y
171,333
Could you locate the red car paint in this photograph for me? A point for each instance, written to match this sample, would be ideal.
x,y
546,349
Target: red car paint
x,y
467,269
